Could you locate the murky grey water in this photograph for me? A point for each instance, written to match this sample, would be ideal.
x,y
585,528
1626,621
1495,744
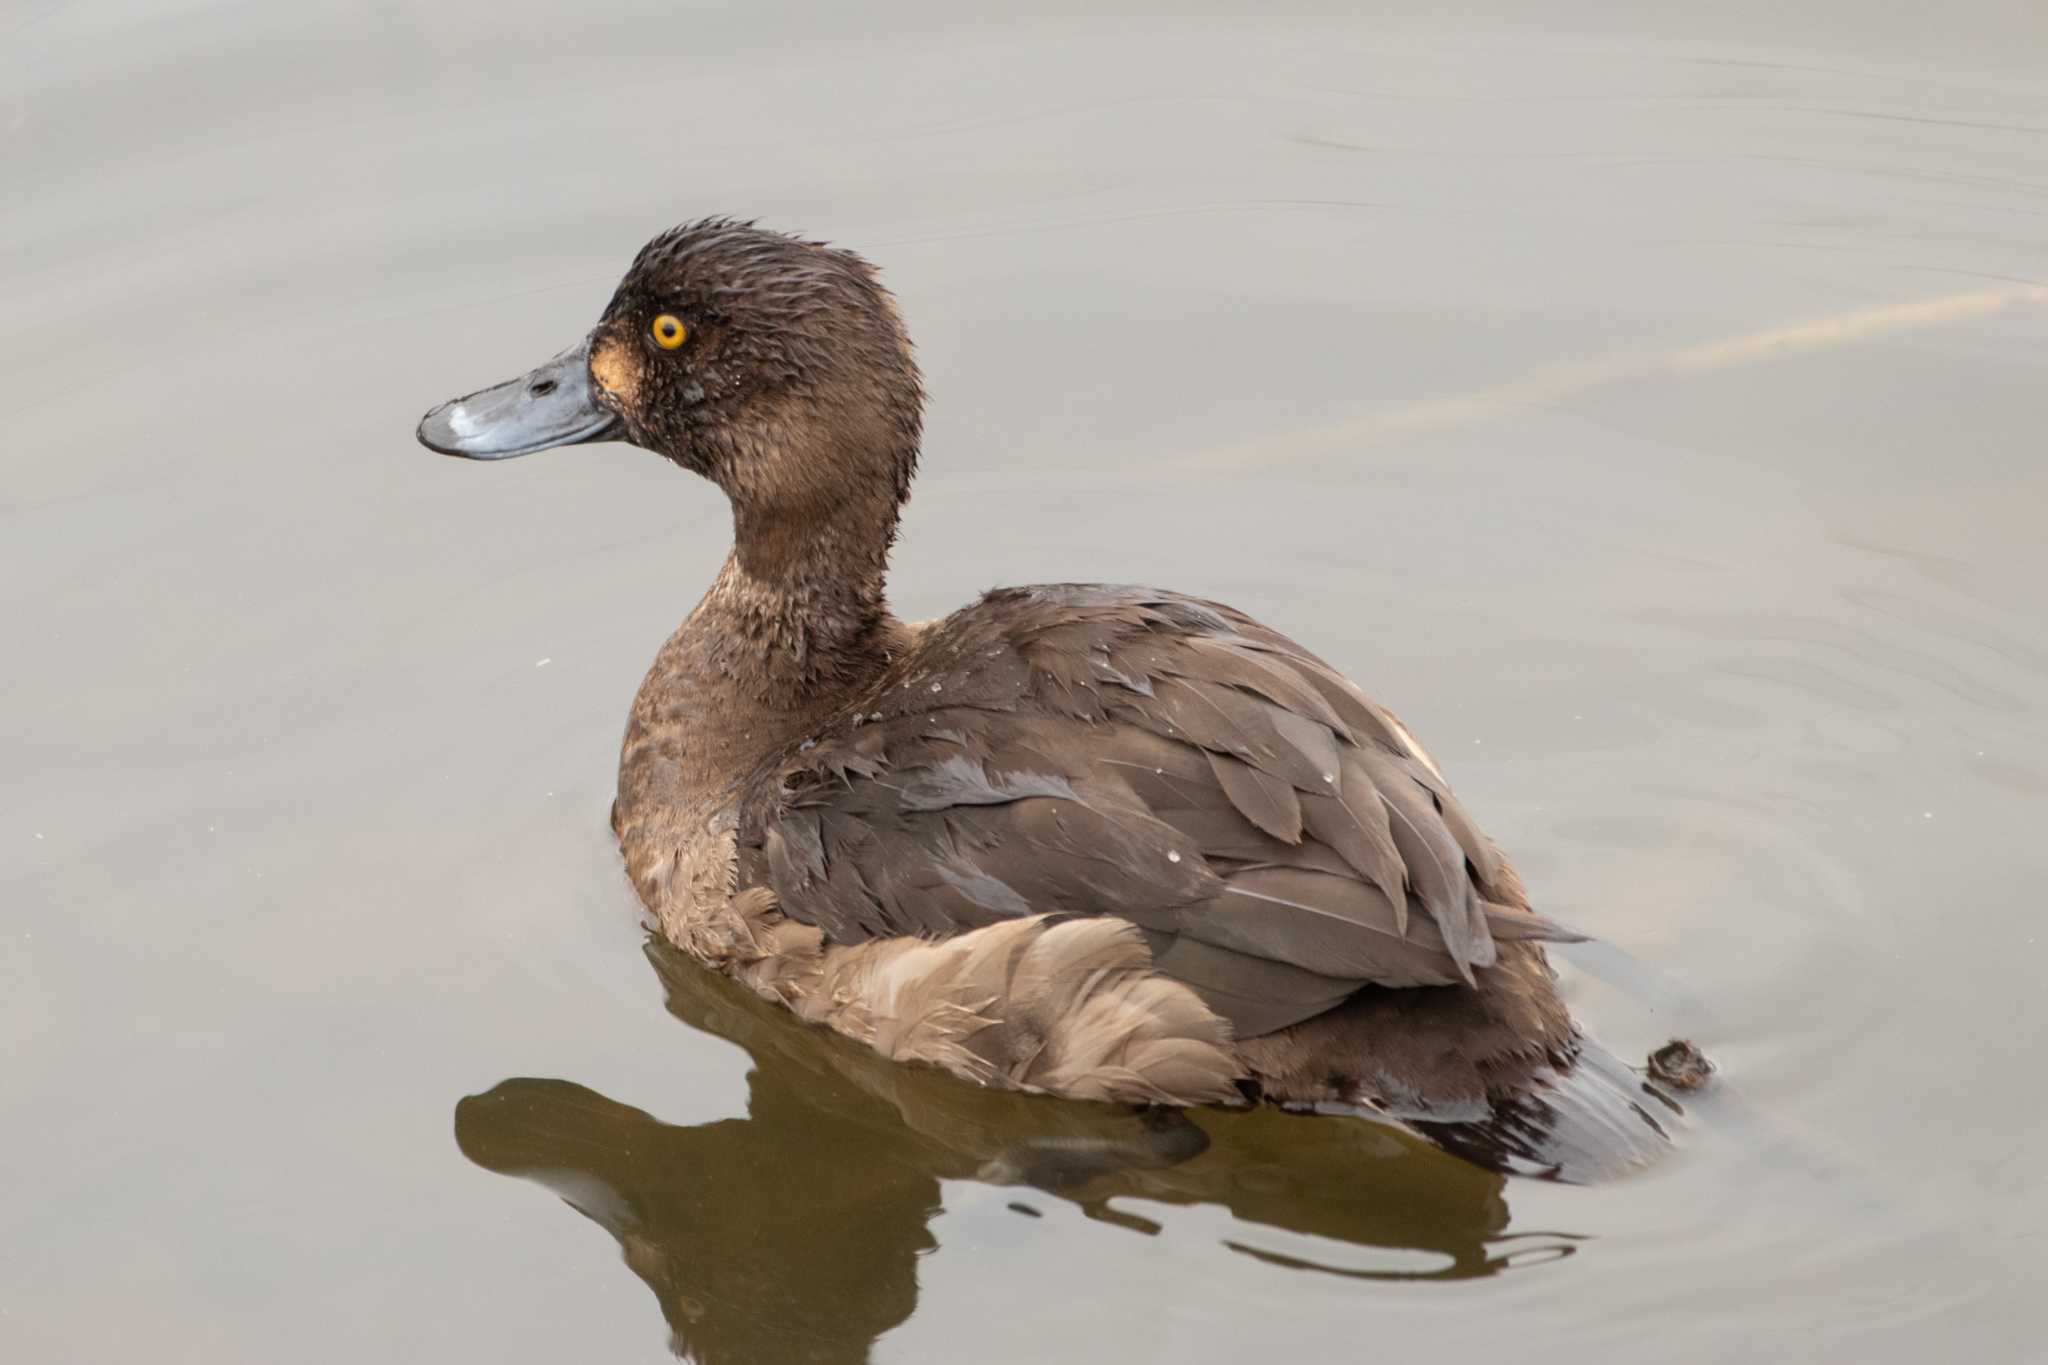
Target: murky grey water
x,y
1649,409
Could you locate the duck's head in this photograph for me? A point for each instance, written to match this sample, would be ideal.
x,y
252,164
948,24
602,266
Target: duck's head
x,y
778,368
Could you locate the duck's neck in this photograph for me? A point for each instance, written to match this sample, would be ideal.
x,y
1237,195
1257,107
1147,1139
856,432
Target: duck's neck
x,y
799,609
793,629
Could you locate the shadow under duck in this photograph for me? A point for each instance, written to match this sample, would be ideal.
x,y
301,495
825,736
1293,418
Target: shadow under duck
x,y
1106,842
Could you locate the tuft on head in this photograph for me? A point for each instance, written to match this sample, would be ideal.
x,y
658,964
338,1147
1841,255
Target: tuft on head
x,y
794,387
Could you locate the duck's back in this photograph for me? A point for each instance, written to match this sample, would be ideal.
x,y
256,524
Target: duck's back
x,y
1277,838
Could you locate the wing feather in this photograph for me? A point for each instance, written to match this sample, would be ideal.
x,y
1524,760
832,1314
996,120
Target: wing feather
x,y
1277,837
1259,797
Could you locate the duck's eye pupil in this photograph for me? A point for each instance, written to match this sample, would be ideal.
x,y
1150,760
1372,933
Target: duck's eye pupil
x,y
669,331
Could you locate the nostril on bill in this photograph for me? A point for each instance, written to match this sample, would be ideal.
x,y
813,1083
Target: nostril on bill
x,y
542,388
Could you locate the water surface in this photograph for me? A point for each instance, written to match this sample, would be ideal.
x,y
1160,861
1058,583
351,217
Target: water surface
x,y
1649,409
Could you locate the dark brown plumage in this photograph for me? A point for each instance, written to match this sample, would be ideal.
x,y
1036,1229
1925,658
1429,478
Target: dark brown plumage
x,y
1107,841
1091,750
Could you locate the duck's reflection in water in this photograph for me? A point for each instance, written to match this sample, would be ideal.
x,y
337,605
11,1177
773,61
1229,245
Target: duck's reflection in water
x,y
793,1234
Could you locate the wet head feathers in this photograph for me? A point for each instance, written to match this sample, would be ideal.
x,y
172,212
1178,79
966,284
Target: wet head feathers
x,y
797,385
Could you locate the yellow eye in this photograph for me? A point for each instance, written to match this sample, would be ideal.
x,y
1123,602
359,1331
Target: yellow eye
x,y
668,331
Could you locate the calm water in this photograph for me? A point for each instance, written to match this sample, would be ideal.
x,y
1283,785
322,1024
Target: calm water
x,y
1649,408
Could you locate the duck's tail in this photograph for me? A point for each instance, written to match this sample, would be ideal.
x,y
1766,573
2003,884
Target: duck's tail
x,y
1587,1117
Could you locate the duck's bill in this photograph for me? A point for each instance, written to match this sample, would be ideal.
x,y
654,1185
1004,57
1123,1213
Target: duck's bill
x,y
550,406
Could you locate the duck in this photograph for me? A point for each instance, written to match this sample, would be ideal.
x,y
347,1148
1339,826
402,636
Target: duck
x,y
1106,842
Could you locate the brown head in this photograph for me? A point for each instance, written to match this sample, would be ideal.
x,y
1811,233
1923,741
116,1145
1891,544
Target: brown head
x,y
775,367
